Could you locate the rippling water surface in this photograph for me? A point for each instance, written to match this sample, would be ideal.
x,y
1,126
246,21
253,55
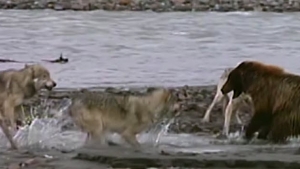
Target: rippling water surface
x,y
146,48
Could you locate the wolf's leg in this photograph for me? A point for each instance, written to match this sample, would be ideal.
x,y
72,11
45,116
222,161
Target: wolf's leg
x,y
7,134
236,109
22,114
96,137
225,103
238,119
102,139
88,138
93,139
228,113
216,99
9,112
130,138
101,133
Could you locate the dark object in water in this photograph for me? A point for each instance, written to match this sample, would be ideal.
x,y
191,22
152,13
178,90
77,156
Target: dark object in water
x,y
61,59
7,60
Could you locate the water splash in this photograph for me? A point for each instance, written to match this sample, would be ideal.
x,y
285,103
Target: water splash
x,y
164,130
241,13
48,132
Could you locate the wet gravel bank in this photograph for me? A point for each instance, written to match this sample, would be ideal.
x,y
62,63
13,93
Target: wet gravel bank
x,y
265,158
156,5
116,157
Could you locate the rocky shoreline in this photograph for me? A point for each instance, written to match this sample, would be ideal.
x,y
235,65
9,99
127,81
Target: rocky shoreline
x,y
155,5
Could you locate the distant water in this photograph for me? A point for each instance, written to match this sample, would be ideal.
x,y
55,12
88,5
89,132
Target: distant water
x,y
146,48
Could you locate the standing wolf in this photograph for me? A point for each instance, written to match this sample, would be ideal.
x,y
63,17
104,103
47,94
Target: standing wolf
x,y
128,115
17,85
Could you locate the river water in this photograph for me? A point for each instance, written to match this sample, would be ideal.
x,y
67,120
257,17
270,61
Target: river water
x,y
142,48
146,48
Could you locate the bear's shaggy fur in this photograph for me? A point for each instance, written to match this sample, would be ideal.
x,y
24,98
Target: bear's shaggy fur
x,y
276,98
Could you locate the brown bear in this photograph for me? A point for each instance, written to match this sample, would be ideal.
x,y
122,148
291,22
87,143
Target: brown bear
x,y
276,98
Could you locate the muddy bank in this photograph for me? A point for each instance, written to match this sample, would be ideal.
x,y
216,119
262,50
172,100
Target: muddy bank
x,y
41,159
193,100
155,5
260,158
116,157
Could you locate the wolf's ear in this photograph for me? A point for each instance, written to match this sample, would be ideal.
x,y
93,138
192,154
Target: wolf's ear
x,y
31,69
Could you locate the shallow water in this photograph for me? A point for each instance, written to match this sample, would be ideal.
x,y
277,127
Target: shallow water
x,y
48,133
45,135
146,48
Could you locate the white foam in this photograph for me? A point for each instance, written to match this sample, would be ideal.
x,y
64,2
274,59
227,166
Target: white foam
x,y
240,13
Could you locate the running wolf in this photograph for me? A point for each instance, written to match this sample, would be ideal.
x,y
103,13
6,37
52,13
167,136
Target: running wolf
x,y
126,115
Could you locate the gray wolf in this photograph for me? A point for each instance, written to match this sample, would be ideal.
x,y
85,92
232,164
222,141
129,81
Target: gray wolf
x,y
275,95
15,87
127,115
230,105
